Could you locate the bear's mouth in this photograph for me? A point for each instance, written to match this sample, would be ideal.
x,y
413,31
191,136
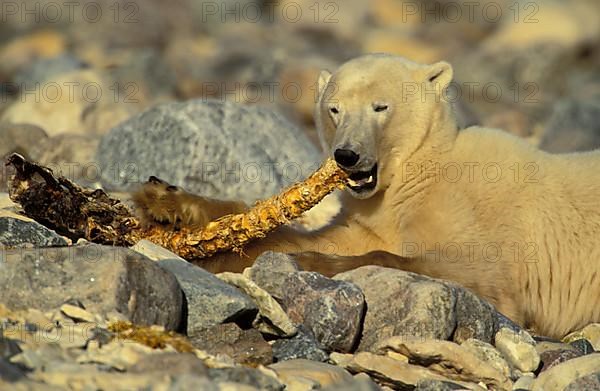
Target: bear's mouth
x,y
363,181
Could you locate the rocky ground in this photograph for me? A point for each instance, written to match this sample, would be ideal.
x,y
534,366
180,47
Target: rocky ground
x,y
73,318
221,103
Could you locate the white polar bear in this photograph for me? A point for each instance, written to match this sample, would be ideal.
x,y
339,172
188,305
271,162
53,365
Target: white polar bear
x,y
518,226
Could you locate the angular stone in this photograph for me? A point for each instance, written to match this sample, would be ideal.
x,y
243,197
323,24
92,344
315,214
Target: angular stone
x,y
269,271
475,318
77,313
332,310
302,345
551,358
503,321
582,345
447,359
214,148
488,354
318,374
244,346
21,233
524,382
590,332
518,349
400,303
209,300
154,251
103,278
271,317
544,346
386,370
564,374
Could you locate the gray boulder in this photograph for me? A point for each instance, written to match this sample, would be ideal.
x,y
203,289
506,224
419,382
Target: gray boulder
x,y
302,345
270,270
406,304
209,300
104,279
213,148
21,233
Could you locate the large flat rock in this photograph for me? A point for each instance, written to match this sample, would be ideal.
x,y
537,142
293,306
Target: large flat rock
x,y
104,279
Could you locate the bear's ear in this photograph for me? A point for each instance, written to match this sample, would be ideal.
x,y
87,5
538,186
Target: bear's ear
x,y
324,78
440,73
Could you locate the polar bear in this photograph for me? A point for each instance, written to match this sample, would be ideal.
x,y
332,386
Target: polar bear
x,y
476,206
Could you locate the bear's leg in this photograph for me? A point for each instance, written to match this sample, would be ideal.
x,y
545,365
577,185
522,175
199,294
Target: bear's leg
x,y
159,202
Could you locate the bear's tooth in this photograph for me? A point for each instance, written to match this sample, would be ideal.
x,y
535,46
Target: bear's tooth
x,y
352,182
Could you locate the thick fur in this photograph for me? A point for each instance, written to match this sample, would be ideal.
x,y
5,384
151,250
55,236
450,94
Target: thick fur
x,y
159,202
480,207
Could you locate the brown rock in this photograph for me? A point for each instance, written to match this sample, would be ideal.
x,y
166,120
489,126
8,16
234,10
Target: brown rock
x,y
332,310
271,318
551,358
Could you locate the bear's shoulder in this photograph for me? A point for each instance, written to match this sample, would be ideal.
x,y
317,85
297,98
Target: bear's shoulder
x,y
493,143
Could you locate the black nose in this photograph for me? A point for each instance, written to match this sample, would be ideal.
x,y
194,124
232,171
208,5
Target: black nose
x,y
346,157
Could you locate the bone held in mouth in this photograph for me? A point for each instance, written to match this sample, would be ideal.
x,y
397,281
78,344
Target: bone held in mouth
x,y
77,213
232,232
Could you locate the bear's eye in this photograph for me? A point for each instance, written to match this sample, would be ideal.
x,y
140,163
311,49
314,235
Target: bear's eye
x,y
378,108
334,110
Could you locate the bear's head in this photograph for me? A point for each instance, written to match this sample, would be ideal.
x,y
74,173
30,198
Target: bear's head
x,y
378,109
